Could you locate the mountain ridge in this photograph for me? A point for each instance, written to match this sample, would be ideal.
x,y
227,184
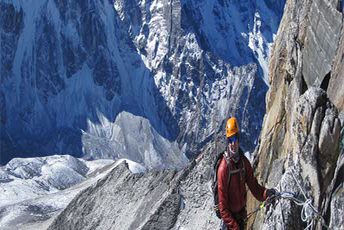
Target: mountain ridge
x,y
69,69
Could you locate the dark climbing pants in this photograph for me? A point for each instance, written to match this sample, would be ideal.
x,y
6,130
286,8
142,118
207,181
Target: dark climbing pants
x,y
240,218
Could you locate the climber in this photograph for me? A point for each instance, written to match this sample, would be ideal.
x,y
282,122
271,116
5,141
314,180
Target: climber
x,y
232,196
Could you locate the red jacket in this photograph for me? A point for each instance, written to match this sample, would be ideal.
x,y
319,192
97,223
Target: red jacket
x,y
232,198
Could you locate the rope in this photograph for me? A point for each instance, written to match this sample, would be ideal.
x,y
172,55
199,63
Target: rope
x,y
309,214
297,182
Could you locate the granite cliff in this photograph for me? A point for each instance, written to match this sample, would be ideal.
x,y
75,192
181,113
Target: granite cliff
x,y
302,134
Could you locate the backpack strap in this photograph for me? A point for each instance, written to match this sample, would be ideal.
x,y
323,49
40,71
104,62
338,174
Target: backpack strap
x,y
236,171
228,167
239,170
243,166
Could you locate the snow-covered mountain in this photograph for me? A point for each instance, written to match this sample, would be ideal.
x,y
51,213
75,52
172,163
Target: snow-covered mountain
x,y
35,189
27,178
69,69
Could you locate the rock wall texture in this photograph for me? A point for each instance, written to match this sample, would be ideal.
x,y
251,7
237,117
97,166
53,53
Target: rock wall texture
x,y
301,134
321,41
336,85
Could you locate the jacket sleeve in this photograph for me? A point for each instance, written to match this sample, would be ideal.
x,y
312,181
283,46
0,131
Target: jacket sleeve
x,y
257,190
222,175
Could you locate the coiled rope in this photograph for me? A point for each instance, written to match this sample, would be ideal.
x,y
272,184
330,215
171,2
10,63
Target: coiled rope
x,y
309,214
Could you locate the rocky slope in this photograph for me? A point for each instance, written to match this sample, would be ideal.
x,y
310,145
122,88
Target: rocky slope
x,y
167,199
68,69
137,201
301,135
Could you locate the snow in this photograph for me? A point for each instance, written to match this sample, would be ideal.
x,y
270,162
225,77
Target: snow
x,y
81,106
96,164
10,215
35,196
133,166
147,146
248,156
25,179
33,177
158,36
256,43
261,42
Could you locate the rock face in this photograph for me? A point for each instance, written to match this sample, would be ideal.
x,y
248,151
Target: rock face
x,y
197,209
334,195
310,154
321,41
300,138
68,69
336,85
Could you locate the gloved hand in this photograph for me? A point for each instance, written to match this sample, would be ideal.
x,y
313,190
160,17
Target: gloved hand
x,y
270,192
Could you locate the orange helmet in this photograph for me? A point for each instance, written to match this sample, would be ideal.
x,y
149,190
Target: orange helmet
x,y
231,127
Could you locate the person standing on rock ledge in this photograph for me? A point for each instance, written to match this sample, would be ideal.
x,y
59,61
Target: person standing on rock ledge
x,y
232,194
